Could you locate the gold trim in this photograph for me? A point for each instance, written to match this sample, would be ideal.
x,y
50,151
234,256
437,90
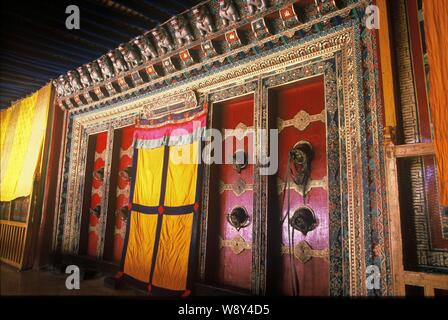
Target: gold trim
x,y
187,98
322,183
238,187
237,244
301,120
303,252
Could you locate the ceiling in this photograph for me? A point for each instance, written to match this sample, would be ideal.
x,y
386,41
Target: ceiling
x,y
37,47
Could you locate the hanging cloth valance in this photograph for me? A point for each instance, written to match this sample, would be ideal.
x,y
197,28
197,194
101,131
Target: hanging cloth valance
x,y
22,134
160,240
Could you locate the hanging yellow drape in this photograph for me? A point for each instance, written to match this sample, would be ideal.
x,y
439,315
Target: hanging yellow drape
x,y
436,31
172,238
22,133
159,250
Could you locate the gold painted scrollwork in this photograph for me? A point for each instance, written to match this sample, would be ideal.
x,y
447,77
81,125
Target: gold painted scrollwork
x,y
303,252
323,183
301,120
237,244
238,187
239,132
188,100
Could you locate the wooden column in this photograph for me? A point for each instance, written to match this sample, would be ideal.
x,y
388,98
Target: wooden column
x,y
387,78
393,207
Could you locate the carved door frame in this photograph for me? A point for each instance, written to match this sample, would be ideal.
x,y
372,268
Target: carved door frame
x,y
341,44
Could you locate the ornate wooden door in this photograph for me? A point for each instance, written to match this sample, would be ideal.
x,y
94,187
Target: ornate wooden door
x,y
302,236
231,205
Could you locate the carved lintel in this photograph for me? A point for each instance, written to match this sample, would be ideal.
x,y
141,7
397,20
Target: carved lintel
x,y
238,187
301,120
237,244
233,39
260,29
323,183
303,252
187,100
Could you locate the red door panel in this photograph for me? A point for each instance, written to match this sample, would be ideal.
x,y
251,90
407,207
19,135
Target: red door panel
x,y
233,267
303,101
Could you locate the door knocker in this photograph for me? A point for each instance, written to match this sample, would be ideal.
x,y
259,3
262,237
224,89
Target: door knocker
x,y
239,160
304,220
238,218
300,157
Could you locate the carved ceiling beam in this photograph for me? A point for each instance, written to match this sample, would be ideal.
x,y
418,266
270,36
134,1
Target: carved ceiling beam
x,y
190,41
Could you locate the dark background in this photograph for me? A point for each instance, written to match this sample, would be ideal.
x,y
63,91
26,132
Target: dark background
x,y
36,46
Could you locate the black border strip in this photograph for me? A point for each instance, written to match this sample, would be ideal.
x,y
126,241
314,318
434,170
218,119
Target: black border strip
x,y
166,210
192,261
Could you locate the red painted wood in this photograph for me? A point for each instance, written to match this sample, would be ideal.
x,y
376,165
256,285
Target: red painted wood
x,y
419,71
234,270
287,101
123,190
97,195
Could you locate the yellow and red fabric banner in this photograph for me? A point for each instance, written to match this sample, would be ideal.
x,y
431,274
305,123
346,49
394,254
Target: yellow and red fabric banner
x,y
22,132
436,31
160,240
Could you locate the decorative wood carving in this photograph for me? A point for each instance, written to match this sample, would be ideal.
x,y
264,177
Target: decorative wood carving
x,y
301,120
238,187
236,244
303,252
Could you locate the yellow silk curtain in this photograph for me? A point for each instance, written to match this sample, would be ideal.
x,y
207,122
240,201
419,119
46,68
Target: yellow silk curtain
x,y
22,133
172,238
436,31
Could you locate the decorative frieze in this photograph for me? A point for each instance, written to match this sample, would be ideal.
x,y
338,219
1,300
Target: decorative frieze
x,y
260,29
203,27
